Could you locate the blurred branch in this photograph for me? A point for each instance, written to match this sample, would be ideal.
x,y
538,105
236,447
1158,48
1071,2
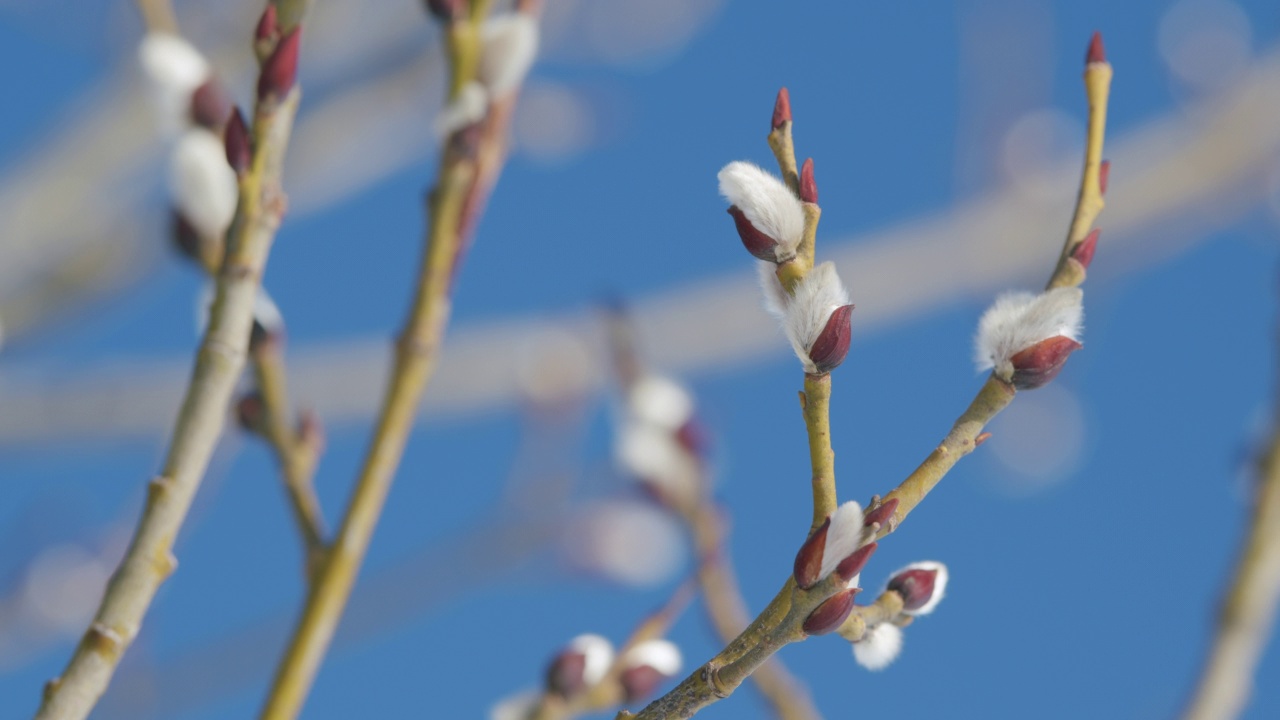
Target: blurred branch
x,y
219,361
1247,616
1182,178
158,16
417,352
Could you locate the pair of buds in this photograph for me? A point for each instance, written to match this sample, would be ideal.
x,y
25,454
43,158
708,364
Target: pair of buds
x,y
587,659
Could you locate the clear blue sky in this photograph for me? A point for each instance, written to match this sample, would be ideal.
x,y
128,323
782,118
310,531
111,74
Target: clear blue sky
x,y
1088,596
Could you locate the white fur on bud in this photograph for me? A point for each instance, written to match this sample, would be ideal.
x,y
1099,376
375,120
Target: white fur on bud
x,y
879,646
939,584
202,184
468,108
653,455
1018,320
175,69
768,204
661,655
597,655
816,297
776,298
660,401
510,45
844,535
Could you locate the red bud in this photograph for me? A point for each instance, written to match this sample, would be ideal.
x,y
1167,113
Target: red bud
x,y
238,145
565,673
977,442
880,512
210,105
757,243
808,187
249,412
831,614
832,345
915,586
853,564
639,682
692,436
311,430
1104,172
1040,363
1084,251
280,69
781,109
1096,53
267,28
809,560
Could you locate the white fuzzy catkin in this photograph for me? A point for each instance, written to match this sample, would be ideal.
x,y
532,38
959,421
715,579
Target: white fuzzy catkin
x,y
1018,320
768,204
510,45
597,655
816,297
653,455
660,401
939,584
844,535
661,655
175,69
880,646
468,108
203,186
776,298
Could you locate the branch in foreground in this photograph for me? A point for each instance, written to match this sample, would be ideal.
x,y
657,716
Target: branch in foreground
x,y
218,364
419,344
1026,339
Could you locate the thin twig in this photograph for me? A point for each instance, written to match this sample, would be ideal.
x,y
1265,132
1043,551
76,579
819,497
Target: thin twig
x,y
296,451
417,352
219,362
158,16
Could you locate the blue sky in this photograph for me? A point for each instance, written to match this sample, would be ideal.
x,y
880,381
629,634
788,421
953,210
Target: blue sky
x,y
1082,585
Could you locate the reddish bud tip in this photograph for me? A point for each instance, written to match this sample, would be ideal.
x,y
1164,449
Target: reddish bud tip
x,y
185,238
915,586
238,145
1096,53
880,513
210,105
692,436
808,187
639,682
832,345
249,412
311,431
852,565
1084,251
757,243
809,560
267,28
781,109
565,674
445,10
977,442
281,68
831,614
1040,363
1104,173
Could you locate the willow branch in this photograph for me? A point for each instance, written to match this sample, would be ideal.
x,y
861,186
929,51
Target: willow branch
x,y
218,364
1247,616
723,601
158,16
417,352
296,451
